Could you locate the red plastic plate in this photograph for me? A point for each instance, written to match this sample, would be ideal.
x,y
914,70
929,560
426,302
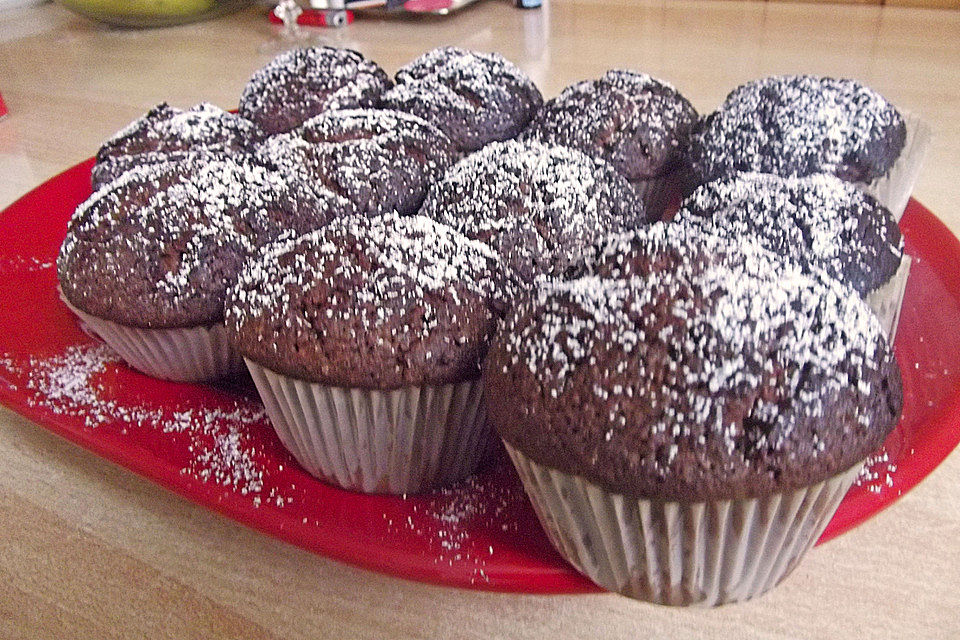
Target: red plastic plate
x,y
214,446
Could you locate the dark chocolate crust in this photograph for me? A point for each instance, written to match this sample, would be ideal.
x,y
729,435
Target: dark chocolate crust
x,y
302,83
640,125
167,133
158,247
475,98
382,161
717,372
377,303
799,125
106,171
818,220
538,206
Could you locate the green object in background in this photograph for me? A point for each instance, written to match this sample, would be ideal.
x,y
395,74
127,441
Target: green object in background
x,y
151,13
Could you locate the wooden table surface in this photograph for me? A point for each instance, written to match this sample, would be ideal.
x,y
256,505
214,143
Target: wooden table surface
x,y
90,550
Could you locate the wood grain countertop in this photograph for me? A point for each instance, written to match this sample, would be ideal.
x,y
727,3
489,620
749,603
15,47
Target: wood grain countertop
x,y
89,550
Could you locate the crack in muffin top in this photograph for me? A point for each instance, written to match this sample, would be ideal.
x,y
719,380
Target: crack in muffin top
x,y
382,161
818,221
539,206
301,83
168,133
711,371
379,303
798,125
475,98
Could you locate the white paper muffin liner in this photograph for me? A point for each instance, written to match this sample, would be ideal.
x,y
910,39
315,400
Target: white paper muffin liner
x,y
401,441
192,354
674,553
893,189
887,300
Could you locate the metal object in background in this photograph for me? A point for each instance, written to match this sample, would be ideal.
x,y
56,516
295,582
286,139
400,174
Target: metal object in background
x,y
339,13
332,13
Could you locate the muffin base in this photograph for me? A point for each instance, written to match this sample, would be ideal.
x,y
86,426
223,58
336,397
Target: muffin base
x,y
893,189
702,553
887,301
191,354
401,441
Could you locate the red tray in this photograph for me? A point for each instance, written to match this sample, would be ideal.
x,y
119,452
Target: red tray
x,y
214,446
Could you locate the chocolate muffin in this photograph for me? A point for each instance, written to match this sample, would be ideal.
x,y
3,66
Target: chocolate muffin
x,y
381,161
159,246
638,124
365,340
685,433
690,369
377,303
475,98
539,206
302,83
167,133
147,259
818,221
799,125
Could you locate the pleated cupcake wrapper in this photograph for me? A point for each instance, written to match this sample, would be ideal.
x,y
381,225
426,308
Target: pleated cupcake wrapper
x,y
893,189
192,354
674,553
402,441
887,301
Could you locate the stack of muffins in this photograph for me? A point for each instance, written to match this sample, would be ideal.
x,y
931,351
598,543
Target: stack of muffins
x,y
407,266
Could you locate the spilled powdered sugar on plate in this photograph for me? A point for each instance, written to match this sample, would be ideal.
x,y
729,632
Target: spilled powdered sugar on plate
x,y
20,264
878,473
69,384
449,519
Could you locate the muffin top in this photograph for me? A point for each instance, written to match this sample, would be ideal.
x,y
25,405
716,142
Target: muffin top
x,y
539,206
640,125
798,125
819,221
718,371
105,172
166,132
475,98
301,83
378,303
382,161
158,247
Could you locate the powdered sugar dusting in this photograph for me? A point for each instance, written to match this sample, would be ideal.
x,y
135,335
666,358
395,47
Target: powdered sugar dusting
x,y
303,82
797,125
460,523
14,264
878,473
375,273
380,161
817,220
165,129
474,97
411,258
729,347
538,205
637,123
176,223
71,385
